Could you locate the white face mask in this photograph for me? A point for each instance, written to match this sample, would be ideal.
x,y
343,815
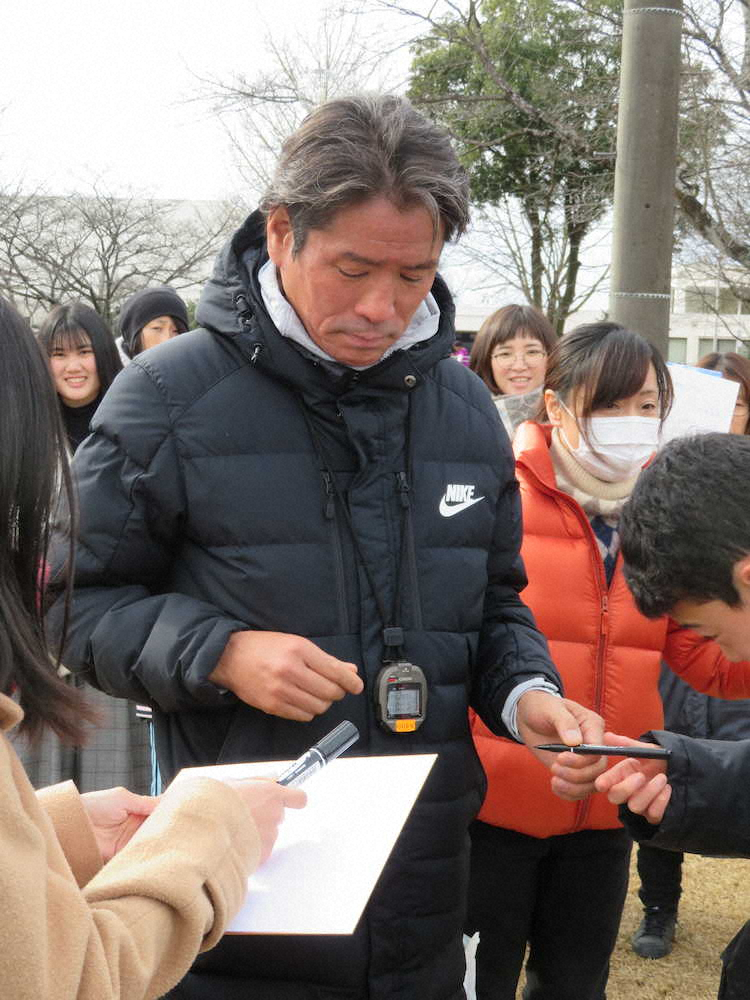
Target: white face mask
x,y
620,446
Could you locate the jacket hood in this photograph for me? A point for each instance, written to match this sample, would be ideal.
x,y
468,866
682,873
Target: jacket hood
x,y
231,305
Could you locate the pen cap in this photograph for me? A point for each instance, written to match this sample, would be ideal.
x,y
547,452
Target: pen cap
x,y
338,740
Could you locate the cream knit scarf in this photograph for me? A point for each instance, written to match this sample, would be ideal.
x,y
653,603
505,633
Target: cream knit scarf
x,y
594,495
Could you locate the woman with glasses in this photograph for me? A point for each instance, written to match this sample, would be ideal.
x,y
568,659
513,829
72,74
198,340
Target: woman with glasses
x,y
510,356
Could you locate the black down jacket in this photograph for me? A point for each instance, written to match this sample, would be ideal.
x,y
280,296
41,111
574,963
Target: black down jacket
x,y
204,510
695,714
709,810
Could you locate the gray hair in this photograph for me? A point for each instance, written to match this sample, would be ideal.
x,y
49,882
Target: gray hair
x,y
352,149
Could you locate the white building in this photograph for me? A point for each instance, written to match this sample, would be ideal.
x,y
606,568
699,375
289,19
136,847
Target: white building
x,y
705,316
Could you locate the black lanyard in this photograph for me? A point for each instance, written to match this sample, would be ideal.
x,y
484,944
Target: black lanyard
x,y
393,633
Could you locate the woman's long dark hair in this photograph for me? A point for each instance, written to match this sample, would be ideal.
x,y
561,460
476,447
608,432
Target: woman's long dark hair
x,y
67,326
34,473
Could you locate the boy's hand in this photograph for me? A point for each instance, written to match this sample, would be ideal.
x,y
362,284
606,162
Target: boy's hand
x,y
641,785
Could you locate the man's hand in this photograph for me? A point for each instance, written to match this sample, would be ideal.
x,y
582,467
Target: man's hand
x,y
544,718
640,784
284,675
115,814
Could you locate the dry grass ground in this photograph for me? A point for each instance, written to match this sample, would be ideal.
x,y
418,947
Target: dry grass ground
x,y
715,903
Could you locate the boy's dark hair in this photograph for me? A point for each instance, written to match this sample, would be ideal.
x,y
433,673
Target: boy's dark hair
x,y
687,523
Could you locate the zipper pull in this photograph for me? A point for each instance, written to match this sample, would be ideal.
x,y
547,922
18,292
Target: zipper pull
x,y
329,508
605,612
243,310
402,485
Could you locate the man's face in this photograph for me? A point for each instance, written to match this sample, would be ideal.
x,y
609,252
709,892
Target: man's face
x,y
356,284
729,626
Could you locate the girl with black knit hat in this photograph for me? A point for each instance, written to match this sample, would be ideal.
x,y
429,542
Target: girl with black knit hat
x,y
150,317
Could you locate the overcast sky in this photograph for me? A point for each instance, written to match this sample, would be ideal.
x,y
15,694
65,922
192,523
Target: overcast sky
x,y
102,88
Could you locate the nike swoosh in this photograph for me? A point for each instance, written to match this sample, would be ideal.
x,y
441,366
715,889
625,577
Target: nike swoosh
x,y
449,509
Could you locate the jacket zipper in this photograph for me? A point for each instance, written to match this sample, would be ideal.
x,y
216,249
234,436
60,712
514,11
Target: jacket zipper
x,y
404,490
329,512
583,807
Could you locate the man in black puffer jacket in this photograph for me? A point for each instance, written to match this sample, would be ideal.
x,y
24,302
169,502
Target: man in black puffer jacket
x,y
275,504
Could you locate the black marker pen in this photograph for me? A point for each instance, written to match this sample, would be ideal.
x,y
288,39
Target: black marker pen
x,y
319,754
592,750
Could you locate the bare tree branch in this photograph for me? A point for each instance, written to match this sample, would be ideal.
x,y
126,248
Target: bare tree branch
x,y
99,248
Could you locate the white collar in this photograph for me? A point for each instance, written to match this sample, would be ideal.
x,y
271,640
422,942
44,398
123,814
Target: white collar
x,y
424,323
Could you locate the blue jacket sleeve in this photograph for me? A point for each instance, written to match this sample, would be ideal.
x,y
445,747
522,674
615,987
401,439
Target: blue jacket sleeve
x,y
128,635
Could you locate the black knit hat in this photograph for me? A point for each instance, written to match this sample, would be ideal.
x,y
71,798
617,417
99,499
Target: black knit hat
x,y
144,306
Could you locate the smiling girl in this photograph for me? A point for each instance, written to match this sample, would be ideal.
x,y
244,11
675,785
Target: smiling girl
x,y
83,360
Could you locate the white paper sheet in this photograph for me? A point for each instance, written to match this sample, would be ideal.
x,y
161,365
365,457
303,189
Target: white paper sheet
x,y
703,402
329,855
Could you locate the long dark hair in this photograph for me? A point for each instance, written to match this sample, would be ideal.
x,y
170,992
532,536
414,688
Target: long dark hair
x,y
503,325
605,362
732,366
68,326
34,477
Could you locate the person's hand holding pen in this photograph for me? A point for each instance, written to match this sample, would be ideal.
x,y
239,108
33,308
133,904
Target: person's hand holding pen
x,y
542,716
641,785
267,800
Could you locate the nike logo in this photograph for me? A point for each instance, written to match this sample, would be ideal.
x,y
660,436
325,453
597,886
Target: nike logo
x,y
457,498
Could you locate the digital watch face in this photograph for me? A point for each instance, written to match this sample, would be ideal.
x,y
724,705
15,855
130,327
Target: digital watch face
x,y
401,696
404,700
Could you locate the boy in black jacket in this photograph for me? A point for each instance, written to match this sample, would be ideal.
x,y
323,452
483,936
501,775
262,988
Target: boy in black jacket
x,y
686,544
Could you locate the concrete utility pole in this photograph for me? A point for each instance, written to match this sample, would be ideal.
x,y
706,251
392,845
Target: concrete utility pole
x,y
645,168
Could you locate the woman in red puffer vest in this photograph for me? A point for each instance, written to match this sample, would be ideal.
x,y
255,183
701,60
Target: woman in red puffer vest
x,y
546,871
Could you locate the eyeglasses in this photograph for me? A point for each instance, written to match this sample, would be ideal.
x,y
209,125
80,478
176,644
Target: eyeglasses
x,y
531,356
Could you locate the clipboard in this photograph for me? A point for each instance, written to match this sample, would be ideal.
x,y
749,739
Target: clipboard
x,y
329,855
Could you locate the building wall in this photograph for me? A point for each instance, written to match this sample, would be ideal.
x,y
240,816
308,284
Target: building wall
x,y
691,335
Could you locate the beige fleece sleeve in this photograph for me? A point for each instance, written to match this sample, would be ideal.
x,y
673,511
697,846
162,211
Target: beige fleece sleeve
x,y
63,805
133,932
